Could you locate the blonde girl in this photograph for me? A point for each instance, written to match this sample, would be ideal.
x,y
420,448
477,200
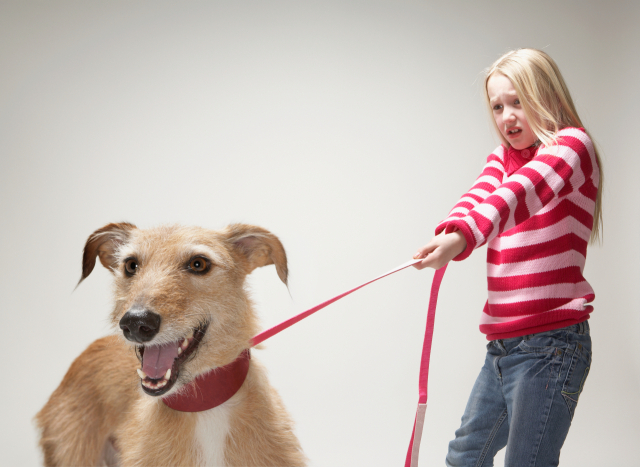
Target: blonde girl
x,y
536,204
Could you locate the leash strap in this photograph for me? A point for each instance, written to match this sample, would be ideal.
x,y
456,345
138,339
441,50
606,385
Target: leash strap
x,y
264,335
416,435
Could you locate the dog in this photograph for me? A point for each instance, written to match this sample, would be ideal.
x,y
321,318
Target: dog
x,y
142,397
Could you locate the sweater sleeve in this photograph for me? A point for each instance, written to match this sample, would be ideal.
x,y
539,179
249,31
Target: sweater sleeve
x,y
554,172
487,182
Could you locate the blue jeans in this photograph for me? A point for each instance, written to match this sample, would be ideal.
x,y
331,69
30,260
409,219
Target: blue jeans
x,y
524,399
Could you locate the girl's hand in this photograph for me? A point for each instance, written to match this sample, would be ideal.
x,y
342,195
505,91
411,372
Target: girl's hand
x,y
440,250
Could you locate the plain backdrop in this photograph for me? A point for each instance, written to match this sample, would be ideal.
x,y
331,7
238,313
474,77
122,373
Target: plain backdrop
x,y
348,129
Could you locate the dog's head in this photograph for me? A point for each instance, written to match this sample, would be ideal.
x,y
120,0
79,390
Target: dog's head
x,y
179,294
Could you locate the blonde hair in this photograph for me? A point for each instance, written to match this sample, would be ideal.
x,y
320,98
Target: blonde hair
x,y
547,104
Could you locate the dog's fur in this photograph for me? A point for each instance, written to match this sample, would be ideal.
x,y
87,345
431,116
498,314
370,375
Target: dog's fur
x,y
100,415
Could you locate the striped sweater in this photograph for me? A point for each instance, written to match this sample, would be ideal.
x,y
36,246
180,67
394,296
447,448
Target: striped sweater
x,y
534,208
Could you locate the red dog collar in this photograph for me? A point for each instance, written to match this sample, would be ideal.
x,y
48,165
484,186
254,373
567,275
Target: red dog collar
x,y
211,389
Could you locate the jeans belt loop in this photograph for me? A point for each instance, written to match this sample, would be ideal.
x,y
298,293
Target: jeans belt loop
x,y
583,328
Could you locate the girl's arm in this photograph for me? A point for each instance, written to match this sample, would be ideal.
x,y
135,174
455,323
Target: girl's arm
x,y
557,171
486,183
444,247
440,250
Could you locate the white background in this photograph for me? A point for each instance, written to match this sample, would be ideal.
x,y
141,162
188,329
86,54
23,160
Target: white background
x,y
347,128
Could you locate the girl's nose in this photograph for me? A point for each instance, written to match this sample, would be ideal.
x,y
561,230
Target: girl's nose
x,y
508,115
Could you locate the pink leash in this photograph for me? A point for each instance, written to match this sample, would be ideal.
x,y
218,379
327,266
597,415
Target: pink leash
x,y
416,435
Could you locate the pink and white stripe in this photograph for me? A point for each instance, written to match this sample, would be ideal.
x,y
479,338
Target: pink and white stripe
x,y
536,218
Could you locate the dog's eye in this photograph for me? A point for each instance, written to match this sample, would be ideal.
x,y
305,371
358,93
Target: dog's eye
x,y
199,265
130,266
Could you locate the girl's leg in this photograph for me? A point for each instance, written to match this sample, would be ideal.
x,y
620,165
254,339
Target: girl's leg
x,y
484,427
543,377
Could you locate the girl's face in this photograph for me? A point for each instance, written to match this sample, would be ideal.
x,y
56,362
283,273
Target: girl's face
x,y
508,112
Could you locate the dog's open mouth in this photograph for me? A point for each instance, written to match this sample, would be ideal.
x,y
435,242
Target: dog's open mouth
x,y
161,363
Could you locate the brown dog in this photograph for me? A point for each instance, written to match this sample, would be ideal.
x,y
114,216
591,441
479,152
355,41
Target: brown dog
x,y
182,307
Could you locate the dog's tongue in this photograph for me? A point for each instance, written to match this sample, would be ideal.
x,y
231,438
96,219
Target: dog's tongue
x,y
157,359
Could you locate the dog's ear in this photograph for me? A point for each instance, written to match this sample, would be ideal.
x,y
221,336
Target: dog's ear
x,y
103,243
259,247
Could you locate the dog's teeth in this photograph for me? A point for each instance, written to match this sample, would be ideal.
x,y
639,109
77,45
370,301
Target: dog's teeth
x,y
179,350
185,344
167,375
141,373
161,384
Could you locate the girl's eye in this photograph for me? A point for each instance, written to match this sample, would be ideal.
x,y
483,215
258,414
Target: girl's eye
x,y
130,267
517,102
199,265
497,107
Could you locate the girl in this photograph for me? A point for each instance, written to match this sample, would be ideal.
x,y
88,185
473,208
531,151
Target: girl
x,y
536,205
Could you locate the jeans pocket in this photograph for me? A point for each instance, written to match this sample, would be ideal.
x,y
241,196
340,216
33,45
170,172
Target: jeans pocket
x,y
576,376
545,343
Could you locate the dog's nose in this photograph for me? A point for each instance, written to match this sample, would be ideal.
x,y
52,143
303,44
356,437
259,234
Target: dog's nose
x,y
140,325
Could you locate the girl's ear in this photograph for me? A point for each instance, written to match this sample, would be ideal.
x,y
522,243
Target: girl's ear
x,y
257,247
104,243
